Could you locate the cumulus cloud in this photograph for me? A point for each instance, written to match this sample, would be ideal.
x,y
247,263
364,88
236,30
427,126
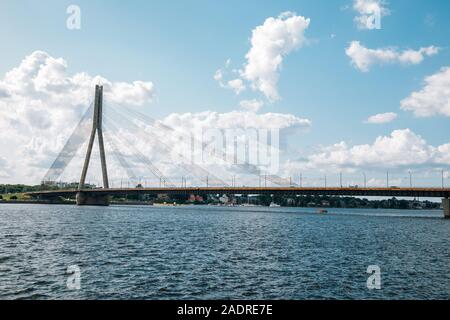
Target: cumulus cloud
x,y
237,85
363,58
194,122
40,103
433,98
382,118
218,76
247,126
3,92
403,148
136,93
251,105
271,42
43,104
4,168
366,10
174,143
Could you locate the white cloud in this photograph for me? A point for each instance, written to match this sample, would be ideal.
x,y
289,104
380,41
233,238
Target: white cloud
x,y
271,42
363,58
366,10
218,76
195,122
40,104
164,146
237,85
251,105
3,92
136,93
382,118
44,103
417,56
433,98
4,168
402,148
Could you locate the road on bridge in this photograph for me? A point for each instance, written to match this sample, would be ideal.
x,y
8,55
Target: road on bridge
x,y
368,192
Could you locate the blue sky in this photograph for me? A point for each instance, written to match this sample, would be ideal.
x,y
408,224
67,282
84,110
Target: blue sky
x,y
179,45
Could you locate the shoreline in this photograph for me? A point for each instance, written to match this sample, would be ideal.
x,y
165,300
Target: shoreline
x,y
137,203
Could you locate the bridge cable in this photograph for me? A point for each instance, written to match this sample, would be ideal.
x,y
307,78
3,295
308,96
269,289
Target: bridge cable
x,y
72,146
199,171
248,167
120,158
140,156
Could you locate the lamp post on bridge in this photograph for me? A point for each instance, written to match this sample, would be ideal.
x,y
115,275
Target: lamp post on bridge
x,y
410,179
365,180
387,179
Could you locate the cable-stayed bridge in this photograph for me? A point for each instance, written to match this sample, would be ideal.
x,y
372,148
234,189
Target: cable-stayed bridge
x,y
128,153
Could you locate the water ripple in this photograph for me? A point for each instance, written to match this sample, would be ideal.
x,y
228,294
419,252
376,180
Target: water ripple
x,y
221,253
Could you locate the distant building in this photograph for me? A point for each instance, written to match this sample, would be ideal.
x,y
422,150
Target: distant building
x,y
195,198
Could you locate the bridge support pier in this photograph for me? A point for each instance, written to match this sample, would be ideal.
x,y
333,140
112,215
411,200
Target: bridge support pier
x,y
88,199
446,207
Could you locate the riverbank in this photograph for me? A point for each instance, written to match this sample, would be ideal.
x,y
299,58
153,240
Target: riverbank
x,y
147,203
35,202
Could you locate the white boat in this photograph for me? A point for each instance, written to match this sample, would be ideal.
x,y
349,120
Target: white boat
x,y
274,205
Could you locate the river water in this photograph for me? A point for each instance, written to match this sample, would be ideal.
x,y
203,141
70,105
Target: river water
x,y
200,252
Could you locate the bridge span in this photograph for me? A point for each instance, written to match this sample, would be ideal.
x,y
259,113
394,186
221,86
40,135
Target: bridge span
x,y
294,191
86,196
101,196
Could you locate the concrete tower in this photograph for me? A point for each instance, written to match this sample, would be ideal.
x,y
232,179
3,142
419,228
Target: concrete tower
x,y
84,198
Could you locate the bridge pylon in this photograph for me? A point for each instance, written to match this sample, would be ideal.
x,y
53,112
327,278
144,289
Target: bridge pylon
x,y
85,198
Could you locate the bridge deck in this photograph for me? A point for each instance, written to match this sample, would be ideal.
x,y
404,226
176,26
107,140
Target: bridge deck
x,y
336,191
